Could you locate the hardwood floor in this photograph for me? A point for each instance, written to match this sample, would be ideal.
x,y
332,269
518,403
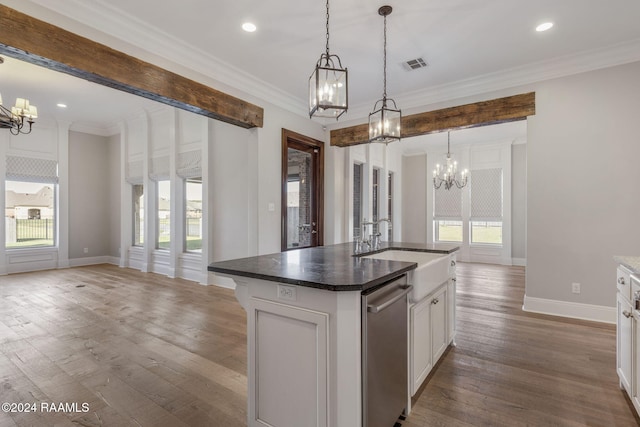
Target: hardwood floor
x,y
144,350
512,368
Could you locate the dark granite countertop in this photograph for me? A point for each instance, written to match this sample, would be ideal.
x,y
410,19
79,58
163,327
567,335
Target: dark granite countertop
x,y
332,268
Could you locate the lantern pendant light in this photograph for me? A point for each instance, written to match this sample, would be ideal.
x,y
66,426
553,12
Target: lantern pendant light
x,y
384,122
328,85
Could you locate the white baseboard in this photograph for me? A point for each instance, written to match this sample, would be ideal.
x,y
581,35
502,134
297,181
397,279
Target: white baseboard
x,y
519,262
574,310
79,262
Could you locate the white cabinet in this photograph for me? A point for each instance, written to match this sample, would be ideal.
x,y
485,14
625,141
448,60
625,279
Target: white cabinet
x,y
624,339
431,329
628,335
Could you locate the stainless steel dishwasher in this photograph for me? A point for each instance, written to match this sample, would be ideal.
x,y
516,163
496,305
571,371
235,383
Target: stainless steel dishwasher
x,y
384,353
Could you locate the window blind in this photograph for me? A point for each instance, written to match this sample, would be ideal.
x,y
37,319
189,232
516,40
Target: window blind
x,y
159,168
486,194
190,164
28,169
447,204
134,172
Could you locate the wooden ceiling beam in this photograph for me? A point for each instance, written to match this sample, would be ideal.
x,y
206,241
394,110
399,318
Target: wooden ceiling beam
x,y
501,110
38,42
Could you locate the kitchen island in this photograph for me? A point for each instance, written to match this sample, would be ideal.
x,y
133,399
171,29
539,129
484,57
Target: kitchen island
x,y
304,329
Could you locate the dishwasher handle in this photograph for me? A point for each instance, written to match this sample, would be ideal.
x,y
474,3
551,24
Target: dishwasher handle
x,y
378,308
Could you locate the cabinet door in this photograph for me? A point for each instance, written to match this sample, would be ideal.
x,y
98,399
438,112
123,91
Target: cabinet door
x,y
624,336
438,320
420,338
288,383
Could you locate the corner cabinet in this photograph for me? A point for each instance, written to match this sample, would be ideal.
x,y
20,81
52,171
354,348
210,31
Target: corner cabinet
x,y
431,329
628,335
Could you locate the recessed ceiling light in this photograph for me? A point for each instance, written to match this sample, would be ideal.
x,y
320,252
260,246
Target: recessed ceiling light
x,y
61,105
249,27
544,27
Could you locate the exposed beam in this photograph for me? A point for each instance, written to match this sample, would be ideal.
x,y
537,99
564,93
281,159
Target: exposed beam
x,y
511,108
38,42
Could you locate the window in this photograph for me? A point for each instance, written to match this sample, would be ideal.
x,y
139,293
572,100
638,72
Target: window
x,y
390,206
486,232
375,197
448,231
447,215
163,234
193,215
30,202
29,214
485,218
357,200
486,206
138,214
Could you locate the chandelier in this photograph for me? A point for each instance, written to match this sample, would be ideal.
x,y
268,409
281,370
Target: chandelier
x,y
328,85
448,175
384,122
15,119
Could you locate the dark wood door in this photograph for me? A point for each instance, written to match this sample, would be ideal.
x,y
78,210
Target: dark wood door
x,y
302,191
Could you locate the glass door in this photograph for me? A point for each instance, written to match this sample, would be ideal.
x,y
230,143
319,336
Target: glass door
x,y
301,192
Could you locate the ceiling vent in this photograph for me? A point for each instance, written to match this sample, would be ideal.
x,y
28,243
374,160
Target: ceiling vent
x,y
414,64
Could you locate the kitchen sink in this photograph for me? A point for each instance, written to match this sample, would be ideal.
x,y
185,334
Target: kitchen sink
x,y
432,270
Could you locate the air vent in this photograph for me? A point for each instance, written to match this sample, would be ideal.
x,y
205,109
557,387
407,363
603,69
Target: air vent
x,y
414,64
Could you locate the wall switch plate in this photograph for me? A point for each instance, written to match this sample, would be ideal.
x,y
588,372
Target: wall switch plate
x,y
86,250
287,292
575,288
271,207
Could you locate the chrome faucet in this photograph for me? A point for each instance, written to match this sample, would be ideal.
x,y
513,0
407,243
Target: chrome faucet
x,y
372,242
377,235
364,239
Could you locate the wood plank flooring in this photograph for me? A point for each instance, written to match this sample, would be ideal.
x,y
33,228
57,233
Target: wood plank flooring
x,y
145,350
512,368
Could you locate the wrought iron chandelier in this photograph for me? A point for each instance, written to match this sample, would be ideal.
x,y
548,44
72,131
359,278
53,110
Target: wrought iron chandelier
x,y
448,175
328,94
15,119
385,122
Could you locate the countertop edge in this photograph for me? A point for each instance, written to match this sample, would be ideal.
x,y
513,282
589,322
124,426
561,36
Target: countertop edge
x,y
248,267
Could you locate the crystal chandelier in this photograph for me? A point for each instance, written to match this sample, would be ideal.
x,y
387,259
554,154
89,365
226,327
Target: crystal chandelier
x,y
448,175
328,85
384,122
15,119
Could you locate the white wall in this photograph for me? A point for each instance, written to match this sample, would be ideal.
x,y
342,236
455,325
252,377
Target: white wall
x,y
89,196
414,198
519,204
582,205
114,196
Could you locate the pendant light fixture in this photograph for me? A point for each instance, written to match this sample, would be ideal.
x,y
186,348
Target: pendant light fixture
x,y
448,175
328,85
384,122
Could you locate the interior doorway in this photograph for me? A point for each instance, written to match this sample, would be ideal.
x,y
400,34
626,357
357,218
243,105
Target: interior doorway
x,y
302,191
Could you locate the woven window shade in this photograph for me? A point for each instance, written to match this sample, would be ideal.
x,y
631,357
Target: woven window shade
x,y
134,172
159,168
190,164
447,203
28,169
486,194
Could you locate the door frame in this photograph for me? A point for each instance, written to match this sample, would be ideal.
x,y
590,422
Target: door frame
x,y
318,181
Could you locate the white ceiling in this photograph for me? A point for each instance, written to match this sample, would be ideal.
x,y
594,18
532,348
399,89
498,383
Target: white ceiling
x,y
471,46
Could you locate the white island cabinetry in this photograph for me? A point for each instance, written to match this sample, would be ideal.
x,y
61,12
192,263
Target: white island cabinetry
x,y
431,329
